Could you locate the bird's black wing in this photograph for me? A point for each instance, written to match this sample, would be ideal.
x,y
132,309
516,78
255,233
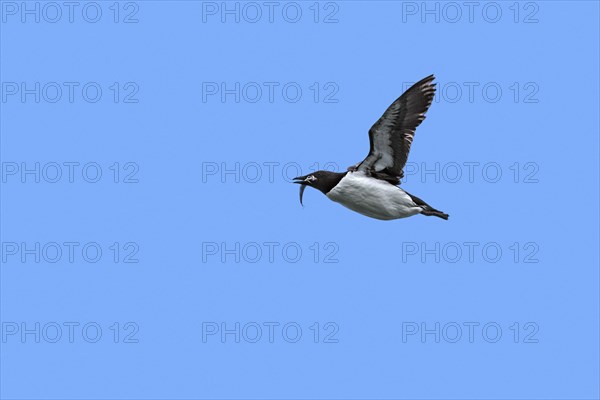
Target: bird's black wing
x,y
392,135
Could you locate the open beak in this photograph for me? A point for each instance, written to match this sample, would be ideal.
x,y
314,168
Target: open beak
x,y
300,180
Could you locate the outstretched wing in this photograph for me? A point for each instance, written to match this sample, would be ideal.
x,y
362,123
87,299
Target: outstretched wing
x,y
392,135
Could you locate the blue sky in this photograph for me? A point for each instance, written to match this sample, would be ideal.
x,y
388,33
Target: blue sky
x,y
153,245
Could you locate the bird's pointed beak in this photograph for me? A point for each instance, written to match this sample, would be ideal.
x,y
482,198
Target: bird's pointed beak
x,y
300,181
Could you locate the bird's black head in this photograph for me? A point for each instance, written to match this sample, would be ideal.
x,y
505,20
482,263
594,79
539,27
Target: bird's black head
x,y
321,180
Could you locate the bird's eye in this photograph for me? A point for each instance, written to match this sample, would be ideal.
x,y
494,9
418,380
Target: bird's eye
x,y
310,178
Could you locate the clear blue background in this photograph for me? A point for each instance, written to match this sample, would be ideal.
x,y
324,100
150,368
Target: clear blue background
x,y
370,54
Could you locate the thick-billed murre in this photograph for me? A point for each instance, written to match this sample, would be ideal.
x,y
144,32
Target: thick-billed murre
x,y
370,187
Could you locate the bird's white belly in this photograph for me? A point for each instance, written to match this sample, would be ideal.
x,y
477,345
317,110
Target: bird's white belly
x,y
373,197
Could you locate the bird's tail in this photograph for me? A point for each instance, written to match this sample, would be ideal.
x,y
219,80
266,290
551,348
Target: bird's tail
x,y
430,211
427,209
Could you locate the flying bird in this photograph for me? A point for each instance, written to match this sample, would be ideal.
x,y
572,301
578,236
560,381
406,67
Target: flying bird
x,y
371,186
